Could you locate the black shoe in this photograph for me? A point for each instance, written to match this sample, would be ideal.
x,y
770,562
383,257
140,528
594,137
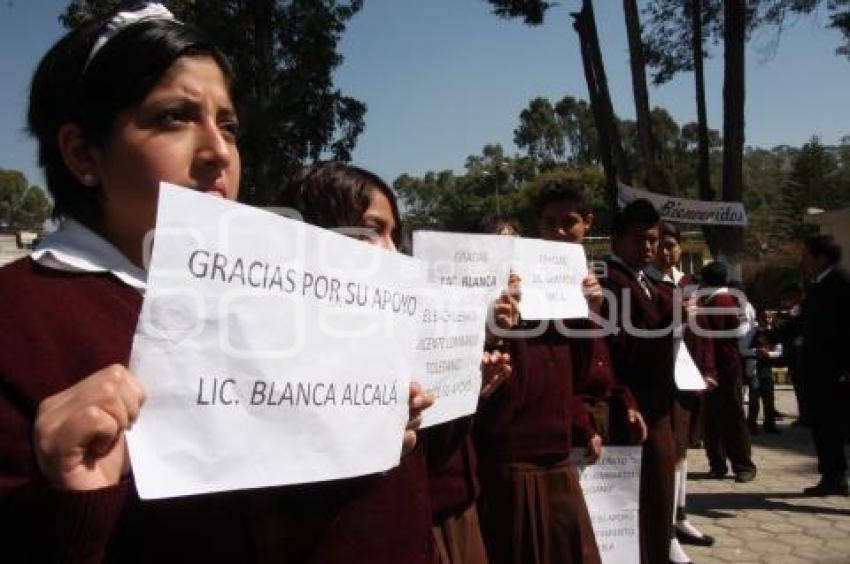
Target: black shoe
x,y
717,474
827,487
687,538
771,429
745,476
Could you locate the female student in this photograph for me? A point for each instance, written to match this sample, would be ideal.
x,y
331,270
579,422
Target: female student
x,y
116,106
686,407
358,203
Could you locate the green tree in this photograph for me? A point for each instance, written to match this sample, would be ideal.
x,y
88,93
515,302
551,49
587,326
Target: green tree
x,y
541,133
21,205
284,53
812,183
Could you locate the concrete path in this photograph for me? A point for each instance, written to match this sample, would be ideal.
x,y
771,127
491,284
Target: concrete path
x,y
768,519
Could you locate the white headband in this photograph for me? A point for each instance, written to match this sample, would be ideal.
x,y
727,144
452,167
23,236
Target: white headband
x,y
121,20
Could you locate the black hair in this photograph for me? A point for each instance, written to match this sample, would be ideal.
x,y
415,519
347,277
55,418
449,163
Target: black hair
x,y
670,230
824,246
639,213
570,190
335,194
498,225
714,274
67,87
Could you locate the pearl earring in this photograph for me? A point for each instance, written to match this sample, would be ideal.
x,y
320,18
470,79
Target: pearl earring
x,y
89,179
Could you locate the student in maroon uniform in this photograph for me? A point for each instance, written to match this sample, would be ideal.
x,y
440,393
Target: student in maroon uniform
x,y
532,508
642,352
567,216
118,105
726,434
340,196
686,408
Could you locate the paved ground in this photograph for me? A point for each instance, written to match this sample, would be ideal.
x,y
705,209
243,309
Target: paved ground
x,y
769,520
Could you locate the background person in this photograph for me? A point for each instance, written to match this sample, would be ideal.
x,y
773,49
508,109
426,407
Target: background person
x,y
766,355
726,434
687,412
826,334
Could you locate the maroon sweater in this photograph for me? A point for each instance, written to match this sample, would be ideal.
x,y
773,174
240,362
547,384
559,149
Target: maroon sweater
x,y
452,468
727,358
534,415
644,364
596,379
57,328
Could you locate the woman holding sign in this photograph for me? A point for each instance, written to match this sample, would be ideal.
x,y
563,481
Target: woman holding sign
x,y
358,203
117,105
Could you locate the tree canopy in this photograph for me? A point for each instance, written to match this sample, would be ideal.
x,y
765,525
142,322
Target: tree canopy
x,y
21,206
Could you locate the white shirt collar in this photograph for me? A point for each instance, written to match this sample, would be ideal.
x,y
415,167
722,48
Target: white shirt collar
x,y
76,248
655,273
823,275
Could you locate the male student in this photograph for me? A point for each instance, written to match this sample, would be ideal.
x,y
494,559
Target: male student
x,y
643,357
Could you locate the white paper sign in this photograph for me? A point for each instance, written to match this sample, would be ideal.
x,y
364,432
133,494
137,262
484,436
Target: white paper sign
x,y
471,262
273,352
611,489
552,274
688,377
448,363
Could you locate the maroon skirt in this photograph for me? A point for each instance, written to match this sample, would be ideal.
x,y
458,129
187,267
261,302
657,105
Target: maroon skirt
x,y
458,540
535,514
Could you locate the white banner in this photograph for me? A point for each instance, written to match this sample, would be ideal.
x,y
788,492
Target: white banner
x,y
611,489
273,352
682,210
448,363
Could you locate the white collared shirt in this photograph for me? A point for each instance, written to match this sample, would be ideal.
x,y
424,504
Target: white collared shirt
x,y
76,248
655,273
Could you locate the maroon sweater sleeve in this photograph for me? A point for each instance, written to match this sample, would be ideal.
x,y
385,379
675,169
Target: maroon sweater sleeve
x,y
727,360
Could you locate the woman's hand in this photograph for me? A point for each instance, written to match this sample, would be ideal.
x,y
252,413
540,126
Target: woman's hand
x,y
506,308
495,370
592,292
418,401
637,425
594,449
79,432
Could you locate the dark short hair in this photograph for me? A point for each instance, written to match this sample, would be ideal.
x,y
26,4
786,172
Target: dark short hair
x,y
68,88
335,194
640,213
497,225
570,190
824,246
714,274
670,230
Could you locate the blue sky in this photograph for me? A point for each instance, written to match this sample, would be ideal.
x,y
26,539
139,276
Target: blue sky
x,y
442,78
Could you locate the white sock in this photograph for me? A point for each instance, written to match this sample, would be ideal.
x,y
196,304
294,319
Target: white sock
x,y
682,481
686,527
677,553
